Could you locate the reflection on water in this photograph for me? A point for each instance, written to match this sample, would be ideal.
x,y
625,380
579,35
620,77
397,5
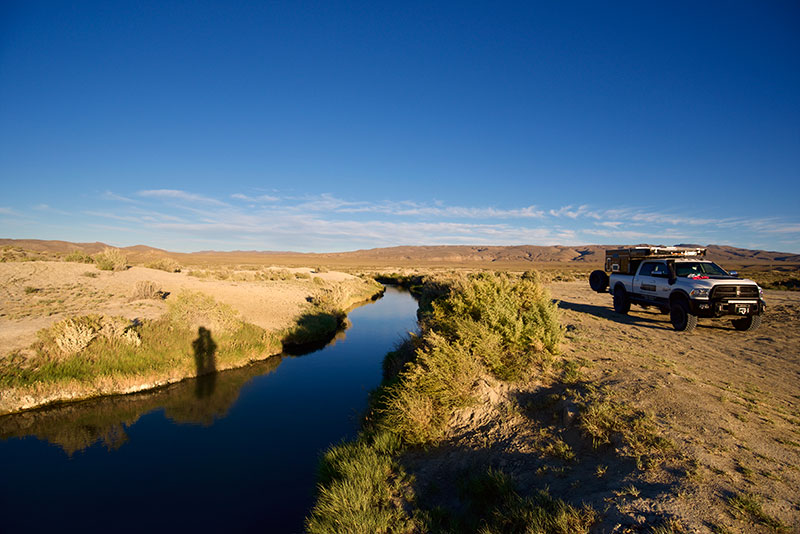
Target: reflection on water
x,y
251,437
74,427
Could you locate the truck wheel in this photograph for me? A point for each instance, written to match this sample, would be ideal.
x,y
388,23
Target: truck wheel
x,y
598,281
747,324
680,317
622,304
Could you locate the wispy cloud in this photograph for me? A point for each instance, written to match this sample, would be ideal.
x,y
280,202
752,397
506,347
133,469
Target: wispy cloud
x,y
108,195
49,209
326,222
574,213
177,194
255,199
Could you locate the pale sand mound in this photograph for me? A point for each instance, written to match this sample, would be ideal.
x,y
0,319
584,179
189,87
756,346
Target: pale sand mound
x,y
34,295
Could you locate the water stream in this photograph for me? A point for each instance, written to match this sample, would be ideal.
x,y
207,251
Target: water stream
x,y
236,451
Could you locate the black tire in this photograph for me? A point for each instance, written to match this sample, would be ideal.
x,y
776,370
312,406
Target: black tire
x,y
681,318
598,281
622,304
747,324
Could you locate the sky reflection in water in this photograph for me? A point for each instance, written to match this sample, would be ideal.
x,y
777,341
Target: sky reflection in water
x,y
240,456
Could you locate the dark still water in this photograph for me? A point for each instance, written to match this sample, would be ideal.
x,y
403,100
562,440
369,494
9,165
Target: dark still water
x,y
237,452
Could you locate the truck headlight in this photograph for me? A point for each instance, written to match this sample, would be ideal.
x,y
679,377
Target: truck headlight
x,y
699,293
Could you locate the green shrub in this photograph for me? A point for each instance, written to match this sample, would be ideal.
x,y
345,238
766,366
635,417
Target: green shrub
x,y
519,310
78,257
484,323
111,259
165,264
441,378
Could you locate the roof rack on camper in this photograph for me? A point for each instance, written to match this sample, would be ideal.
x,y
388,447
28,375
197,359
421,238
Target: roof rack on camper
x,y
626,260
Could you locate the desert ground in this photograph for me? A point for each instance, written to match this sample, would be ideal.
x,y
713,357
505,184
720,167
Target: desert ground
x,y
37,298
34,295
727,403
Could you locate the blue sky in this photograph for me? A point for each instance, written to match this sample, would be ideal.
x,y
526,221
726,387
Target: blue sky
x,y
329,126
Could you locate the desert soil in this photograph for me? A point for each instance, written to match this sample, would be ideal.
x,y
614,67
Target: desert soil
x,y
34,295
729,401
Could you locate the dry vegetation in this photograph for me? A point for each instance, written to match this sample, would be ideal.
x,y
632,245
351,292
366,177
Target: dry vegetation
x,y
625,426
481,329
70,333
486,422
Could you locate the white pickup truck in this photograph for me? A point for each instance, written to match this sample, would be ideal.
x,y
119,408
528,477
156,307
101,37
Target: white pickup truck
x,y
680,282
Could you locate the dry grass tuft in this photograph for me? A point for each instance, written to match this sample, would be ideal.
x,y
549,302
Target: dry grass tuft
x,y
165,264
78,257
111,259
72,336
193,309
146,289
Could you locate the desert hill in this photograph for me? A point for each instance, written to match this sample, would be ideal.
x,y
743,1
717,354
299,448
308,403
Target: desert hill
x,y
461,255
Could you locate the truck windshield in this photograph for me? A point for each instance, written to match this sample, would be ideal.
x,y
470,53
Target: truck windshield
x,y
698,268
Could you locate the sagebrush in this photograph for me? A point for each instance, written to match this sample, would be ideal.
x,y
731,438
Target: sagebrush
x,y
147,289
111,259
487,323
165,264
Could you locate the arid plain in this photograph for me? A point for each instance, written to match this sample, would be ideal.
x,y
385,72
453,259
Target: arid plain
x,y
725,404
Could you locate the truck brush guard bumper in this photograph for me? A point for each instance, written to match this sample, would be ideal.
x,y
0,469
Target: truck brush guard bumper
x,y
738,300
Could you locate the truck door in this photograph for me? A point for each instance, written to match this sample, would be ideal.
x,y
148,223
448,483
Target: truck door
x,y
661,276
643,283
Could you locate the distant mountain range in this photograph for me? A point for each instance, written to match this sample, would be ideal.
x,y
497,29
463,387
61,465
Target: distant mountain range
x,y
404,255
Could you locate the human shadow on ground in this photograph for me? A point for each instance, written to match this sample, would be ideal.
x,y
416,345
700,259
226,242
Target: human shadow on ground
x,y
205,359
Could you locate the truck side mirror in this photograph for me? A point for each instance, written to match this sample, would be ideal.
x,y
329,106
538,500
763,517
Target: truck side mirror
x,y
673,275
733,273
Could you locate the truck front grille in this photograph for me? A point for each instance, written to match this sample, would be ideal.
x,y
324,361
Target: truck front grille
x,y
732,292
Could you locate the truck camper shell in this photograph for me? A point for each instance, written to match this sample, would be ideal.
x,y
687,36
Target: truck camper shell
x,y
627,260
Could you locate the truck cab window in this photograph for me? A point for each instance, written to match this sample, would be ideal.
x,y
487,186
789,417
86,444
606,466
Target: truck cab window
x,y
647,269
